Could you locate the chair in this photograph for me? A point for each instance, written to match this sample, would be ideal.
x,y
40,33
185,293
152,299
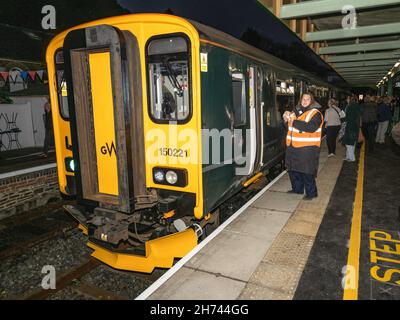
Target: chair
x,y
12,131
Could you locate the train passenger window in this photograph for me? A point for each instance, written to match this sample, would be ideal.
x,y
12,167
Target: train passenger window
x,y
61,85
169,79
239,99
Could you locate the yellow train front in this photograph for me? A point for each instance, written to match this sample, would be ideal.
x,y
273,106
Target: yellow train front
x,y
117,143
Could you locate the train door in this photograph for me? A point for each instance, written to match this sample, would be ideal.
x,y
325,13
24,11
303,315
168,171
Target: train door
x,y
260,118
272,124
256,119
103,76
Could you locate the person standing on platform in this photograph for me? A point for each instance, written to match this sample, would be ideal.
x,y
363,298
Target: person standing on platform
x,y
48,125
353,119
344,103
369,121
333,124
303,142
384,118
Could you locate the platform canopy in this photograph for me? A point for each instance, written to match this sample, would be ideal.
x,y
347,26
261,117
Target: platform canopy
x,y
363,48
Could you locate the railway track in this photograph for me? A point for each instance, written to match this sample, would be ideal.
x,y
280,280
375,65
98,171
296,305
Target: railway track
x,y
72,279
22,232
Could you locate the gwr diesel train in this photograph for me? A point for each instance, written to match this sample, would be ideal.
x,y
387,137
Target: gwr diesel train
x,y
150,114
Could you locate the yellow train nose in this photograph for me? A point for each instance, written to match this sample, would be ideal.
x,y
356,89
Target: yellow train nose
x,y
160,253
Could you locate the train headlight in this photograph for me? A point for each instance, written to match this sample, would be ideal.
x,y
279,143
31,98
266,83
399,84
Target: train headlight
x,y
159,176
70,164
171,177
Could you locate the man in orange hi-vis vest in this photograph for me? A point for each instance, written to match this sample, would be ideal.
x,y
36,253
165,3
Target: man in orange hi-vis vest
x,y
304,134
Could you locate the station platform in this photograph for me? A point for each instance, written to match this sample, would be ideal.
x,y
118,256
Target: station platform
x,y
15,160
282,247
27,181
360,230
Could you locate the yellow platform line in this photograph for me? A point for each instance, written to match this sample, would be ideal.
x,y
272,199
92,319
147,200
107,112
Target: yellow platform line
x,y
351,279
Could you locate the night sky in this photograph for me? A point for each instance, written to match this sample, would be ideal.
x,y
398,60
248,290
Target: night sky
x,y
246,20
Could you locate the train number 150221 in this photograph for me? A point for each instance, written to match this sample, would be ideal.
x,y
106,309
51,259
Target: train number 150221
x,y
177,153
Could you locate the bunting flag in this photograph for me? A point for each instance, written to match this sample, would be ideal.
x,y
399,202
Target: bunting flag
x,y
40,74
32,75
4,75
16,75
24,75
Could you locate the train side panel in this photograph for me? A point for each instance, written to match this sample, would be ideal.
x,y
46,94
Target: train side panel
x,y
225,68
219,179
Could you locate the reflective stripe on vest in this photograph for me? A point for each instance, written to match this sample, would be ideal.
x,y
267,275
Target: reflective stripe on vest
x,y
296,130
300,139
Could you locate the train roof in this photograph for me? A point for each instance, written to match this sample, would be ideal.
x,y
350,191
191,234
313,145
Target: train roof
x,y
207,33
282,67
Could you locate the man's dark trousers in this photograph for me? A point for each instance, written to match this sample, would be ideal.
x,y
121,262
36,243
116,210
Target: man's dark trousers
x,y
301,181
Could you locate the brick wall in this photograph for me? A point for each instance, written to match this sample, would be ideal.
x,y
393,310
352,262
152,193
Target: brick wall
x,y
28,191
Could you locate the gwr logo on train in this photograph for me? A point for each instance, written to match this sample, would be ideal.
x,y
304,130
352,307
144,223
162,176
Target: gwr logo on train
x,y
385,257
108,149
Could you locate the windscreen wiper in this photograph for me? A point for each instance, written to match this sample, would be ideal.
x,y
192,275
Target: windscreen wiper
x,y
172,77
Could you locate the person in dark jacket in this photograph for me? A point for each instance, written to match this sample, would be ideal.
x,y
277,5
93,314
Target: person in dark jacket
x,y
350,139
384,118
48,125
369,121
303,146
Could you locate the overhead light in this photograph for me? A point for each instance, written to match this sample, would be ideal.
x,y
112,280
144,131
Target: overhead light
x,y
397,64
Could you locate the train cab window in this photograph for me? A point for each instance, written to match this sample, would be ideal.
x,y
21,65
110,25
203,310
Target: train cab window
x,y
239,98
169,79
61,85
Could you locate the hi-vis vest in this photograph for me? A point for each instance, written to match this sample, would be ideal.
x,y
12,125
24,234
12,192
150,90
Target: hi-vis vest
x,y
300,139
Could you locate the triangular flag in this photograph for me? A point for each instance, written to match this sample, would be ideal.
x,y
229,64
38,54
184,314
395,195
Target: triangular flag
x,y
24,75
40,74
14,76
4,75
32,74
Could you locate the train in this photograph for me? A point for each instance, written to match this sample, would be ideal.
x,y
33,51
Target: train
x,y
158,120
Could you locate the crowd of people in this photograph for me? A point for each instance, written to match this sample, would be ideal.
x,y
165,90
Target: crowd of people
x,y
366,120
